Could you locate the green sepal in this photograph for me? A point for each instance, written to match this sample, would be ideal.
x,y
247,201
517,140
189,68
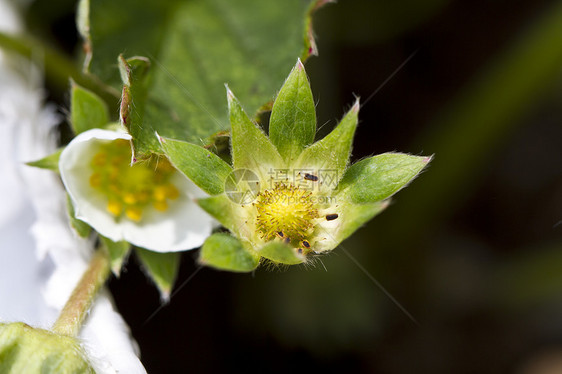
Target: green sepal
x,y
379,177
87,110
134,73
353,216
207,170
118,252
24,349
333,151
81,227
292,124
225,252
50,162
223,210
281,253
162,268
250,146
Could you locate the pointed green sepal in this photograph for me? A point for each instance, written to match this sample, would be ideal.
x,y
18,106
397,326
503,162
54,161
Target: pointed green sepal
x,y
162,268
379,177
207,170
50,162
87,110
24,349
81,227
333,151
134,72
223,210
292,124
250,146
281,253
225,252
118,252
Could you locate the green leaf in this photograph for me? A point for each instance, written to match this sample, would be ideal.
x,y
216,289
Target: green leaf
x,y
118,251
282,253
250,146
196,46
333,151
81,227
50,162
87,110
292,125
225,252
204,168
134,73
24,349
379,177
162,268
353,216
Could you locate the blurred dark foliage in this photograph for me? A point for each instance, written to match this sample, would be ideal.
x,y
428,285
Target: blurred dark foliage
x,y
478,265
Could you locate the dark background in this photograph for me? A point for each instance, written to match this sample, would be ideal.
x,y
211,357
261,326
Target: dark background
x,y
472,249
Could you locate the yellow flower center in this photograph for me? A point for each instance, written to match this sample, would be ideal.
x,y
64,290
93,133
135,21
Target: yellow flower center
x,y
287,212
130,189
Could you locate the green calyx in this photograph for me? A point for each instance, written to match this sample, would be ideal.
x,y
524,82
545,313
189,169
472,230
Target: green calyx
x,y
285,198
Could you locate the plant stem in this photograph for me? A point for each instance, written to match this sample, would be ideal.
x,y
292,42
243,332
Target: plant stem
x,y
58,67
75,310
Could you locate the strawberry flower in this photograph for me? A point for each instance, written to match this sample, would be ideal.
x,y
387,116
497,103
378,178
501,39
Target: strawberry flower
x,y
148,204
286,198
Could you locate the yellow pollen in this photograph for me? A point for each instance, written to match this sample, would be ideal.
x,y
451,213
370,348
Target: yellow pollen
x,y
285,209
131,189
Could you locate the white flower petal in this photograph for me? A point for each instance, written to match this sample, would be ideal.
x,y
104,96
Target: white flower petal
x,y
183,226
38,249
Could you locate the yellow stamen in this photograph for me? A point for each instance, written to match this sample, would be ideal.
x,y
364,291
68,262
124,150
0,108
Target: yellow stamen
x,y
131,189
286,209
162,206
114,207
134,213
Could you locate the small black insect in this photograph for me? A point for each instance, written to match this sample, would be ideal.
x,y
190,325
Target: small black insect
x,y
306,244
331,217
310,177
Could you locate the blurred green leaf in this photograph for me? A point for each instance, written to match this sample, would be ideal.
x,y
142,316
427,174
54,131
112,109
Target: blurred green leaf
x,y
87,110
162,268
195,47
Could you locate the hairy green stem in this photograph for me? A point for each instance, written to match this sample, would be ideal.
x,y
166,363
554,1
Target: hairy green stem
x,y
76,308
58,67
